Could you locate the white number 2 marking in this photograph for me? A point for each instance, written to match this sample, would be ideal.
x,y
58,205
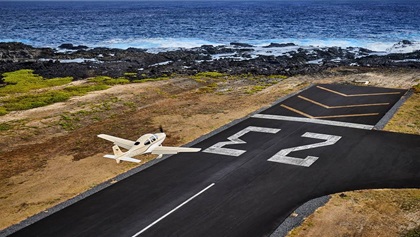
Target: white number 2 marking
x,y
281,156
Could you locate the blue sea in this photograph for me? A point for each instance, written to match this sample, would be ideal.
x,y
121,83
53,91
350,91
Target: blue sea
x,y
373,24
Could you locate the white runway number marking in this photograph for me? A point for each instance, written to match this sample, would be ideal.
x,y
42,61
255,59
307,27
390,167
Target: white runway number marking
x,y
281,156
234,139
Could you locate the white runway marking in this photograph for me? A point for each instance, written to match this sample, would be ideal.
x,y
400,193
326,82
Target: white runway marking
x,y
234,139
176,208
317,121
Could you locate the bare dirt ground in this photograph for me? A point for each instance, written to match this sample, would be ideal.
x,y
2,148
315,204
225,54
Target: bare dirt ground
x,y
51,154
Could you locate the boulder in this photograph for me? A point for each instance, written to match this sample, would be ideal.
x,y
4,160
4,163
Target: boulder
x,y
72,47
277,45
244,45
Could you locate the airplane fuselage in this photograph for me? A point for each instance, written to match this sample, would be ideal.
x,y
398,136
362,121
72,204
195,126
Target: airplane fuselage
x,y
145,144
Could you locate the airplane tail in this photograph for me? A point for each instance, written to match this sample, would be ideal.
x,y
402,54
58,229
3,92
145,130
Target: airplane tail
x,y
119,156
117,151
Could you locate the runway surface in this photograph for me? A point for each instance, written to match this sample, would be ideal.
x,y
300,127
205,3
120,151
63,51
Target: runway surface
x,y
251,176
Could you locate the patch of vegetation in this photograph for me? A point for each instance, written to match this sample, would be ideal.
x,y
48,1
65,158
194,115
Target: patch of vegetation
x,y
277,77
97,112
5,126
413,232
104,80
416,88
84,89
131,105
162,78
260,86
255,89
209,88
209,74
407,118
3,111
19,92
30,101
25,80
130,75
34,100
67,121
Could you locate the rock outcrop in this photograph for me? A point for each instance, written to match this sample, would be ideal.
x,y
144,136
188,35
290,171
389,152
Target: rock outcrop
x,y
81,62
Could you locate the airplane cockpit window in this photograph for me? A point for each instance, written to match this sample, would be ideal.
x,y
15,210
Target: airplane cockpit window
x,y
136,143
151,139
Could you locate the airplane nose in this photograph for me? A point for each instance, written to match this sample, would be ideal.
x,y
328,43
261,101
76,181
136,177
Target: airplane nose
x,y
162,135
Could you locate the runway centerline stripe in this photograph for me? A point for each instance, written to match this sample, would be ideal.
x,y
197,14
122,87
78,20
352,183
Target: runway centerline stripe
x,y
340,106
355,95
329,116
317,121
173,210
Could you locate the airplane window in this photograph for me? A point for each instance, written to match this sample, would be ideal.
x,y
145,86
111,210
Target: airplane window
x,y
147,142
153,138
137,143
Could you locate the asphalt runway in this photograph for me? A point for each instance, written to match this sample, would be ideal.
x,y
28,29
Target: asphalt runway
x,y
251,176
354,104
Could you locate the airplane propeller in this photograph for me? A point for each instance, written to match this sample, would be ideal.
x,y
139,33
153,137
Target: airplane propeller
x,y
161,128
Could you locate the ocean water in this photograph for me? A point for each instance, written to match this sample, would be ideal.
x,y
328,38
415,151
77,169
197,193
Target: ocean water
x,y
372,24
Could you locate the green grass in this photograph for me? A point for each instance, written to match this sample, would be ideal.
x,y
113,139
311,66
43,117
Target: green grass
x,y
209,88
25,80
130,74
5,126
209,74
255,89
413,232
277,77
151,79
19,94
3,111
30,101
103,80
416,88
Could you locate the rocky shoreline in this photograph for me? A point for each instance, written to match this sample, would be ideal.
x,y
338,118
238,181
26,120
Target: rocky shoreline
x,y
289,59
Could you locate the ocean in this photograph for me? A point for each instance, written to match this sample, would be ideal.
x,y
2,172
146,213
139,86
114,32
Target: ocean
x,y
372,24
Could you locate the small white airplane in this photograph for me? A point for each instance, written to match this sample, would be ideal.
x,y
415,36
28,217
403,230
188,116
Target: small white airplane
x,y
148,143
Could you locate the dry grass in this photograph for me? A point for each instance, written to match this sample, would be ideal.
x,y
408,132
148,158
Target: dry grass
x,y
407,119
48,153
365,213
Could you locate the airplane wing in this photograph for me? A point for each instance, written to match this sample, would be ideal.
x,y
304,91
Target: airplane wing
x,y
173,150
123,158
124,143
